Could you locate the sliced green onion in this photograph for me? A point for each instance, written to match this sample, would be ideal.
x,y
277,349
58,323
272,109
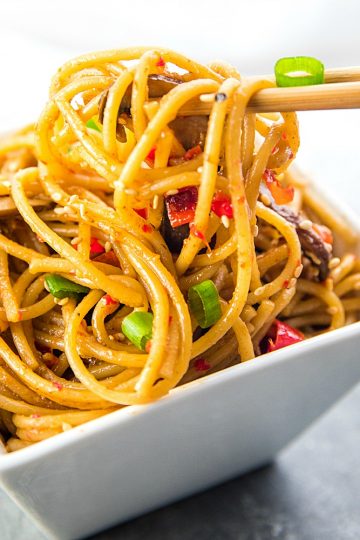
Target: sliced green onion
x,y
204,303
137,327
61,287
93,125
299,71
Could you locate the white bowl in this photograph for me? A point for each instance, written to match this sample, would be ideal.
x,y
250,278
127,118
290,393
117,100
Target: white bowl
x,y
141,457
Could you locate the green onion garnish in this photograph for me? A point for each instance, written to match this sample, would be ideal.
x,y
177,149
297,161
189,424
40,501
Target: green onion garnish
x,y
299,71
92,125
137,327
204,303
61,287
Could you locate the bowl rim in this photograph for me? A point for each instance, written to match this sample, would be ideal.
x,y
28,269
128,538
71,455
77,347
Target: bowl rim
x,y
42,448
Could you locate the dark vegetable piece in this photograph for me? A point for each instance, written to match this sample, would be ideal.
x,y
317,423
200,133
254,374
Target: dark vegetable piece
x,y
174,237
181,206
189,130
312,243
61,287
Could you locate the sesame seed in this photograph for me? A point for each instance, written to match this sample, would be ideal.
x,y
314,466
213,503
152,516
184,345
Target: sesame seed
x,y
130,191
225,221
60,211
82,210
298,270
119,336
66,426
335,261
265,200
63,301
306,224
73,199
74,241
172,192
255,230
292,283
118,185
259,291
199,170
56,197
207,98
155,202
111,338
328,247
107,247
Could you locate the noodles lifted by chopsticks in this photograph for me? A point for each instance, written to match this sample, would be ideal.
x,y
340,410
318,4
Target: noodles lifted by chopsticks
x,y
115,206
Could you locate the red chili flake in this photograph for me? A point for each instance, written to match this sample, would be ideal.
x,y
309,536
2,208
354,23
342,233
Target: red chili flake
x,y
291,154
160,62
284,136
142,212
201,364
151,154
148,346
40,239
181,206
198,234
286,284
241,199
146,228
109,300
35,416
282,195
170,319
221,205
57,385
192,152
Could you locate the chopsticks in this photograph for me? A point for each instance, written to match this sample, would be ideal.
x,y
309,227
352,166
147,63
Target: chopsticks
x,y
341,90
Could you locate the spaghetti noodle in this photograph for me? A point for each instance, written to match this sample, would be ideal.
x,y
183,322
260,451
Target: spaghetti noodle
x,y
115,205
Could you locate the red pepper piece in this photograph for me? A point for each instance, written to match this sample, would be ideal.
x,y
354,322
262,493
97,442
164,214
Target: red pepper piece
x,y
192,152
281,335
109,300
96,248
221,205
151,154
142,212
201,364
282,195
181,207
146,228
160,62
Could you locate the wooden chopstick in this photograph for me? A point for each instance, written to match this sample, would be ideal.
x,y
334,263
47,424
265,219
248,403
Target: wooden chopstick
x,y
340,91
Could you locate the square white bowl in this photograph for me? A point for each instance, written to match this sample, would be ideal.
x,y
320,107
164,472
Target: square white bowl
x,y
205,432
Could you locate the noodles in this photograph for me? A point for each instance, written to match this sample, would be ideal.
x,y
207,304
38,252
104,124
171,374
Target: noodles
x,y
116,207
